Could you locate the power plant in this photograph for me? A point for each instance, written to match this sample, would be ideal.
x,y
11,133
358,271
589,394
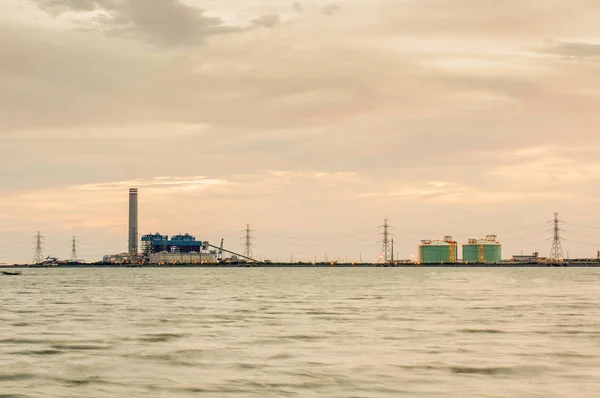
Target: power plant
x,y
159,249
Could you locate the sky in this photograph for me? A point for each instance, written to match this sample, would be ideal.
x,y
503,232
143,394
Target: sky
x,y
310,120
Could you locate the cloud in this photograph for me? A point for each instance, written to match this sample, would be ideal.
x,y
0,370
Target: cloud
x,y
165,22
331,9
454,193
435,105
554,170
579,50
156,183
57,7
311,174
298,6
268,21
547,150
544,167
481,19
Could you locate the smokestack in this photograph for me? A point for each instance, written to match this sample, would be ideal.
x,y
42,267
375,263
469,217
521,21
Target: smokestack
x,y
133,221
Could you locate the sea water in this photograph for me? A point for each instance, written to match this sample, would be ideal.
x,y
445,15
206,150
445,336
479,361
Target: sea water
x,y
301,332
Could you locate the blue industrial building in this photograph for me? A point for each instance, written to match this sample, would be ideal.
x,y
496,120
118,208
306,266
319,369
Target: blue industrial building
x,y
182,243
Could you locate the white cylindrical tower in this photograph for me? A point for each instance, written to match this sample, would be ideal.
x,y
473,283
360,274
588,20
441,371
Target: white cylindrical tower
x,y
133,221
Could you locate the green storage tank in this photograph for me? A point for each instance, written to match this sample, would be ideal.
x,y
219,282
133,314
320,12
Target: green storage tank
x,y
438,251
482,251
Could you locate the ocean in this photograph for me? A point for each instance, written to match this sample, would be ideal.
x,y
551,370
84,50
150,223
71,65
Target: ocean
x,y
300,332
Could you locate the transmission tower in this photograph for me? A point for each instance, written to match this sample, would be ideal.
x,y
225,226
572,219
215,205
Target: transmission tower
x,y
74,257
386,240
38,257
248,238
556,253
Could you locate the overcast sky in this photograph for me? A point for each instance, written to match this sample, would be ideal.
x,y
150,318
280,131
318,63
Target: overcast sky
x,y
311,120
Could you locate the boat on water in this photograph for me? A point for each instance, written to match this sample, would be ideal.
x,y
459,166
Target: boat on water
x,y
11,272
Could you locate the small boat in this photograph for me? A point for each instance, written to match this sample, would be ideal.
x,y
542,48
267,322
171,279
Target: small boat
x,y
11,272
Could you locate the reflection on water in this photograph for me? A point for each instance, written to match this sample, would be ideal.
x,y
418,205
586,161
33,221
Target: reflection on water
x,y
381,332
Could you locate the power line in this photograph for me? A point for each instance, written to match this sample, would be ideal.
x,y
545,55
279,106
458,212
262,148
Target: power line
x,y
283,237
38,257
297,245
584,243
337,236
580,234
556,253
584,226
471,234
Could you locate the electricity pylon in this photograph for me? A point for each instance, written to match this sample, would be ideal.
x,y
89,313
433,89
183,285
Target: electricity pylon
x,y
38,257
248,238
74,257
385,241
556,253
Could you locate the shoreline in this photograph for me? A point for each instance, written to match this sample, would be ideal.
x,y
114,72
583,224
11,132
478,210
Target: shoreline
x,y
318,265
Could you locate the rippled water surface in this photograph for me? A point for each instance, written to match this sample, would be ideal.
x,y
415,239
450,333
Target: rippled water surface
x,y
371,332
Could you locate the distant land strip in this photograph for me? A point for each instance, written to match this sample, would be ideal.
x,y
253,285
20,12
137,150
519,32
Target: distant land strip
x,y
318,265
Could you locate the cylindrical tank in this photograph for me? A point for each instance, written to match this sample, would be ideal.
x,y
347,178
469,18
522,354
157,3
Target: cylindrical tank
x,y
486,250
438,251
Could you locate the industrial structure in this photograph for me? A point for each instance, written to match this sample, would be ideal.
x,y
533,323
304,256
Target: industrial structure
x,y
131,256
483,251
556,253
248,238
74,256
185,249
159,249
438,251
387,252
38,257
182,248
527,258
133,222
